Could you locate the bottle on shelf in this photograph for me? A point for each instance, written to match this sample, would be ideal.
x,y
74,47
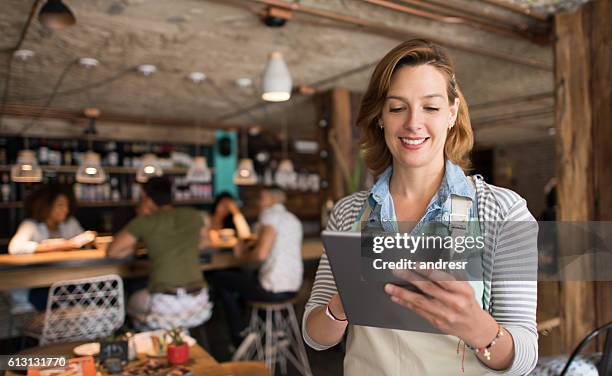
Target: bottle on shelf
x,y
114,186
43,152
6,188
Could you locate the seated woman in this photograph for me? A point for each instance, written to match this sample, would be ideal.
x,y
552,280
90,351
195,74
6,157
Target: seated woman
x,y
49,226
226,215
416,137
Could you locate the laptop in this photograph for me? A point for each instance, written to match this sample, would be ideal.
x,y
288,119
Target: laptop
x,y
364,299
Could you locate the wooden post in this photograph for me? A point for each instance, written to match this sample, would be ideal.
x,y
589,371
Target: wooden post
x,y
343,134
601,89
584,128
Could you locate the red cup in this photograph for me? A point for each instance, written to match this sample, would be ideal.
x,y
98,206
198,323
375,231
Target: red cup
x,y
178,354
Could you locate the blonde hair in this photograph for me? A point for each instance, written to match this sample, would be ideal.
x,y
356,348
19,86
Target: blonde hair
x,y
460,139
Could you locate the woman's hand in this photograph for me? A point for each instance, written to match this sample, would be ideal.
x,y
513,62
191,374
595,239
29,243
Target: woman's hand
x,y
83,239
336,307
232,207
447,304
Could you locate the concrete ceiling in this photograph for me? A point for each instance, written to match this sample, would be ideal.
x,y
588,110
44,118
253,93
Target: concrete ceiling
x,y
227,40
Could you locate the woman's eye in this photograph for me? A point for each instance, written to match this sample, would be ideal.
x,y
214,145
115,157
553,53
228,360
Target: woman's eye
x,y
396,109
431,109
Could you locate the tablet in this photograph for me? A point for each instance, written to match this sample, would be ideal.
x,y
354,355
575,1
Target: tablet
x,y
365,301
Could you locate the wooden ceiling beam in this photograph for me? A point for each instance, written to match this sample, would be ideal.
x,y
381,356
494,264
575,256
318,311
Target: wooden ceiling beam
x,y
394,32
498,28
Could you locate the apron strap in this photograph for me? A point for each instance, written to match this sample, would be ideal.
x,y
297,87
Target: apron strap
x,y
365,214
460,211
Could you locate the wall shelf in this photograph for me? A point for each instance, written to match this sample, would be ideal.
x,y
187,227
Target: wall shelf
x,y
107,169
99,204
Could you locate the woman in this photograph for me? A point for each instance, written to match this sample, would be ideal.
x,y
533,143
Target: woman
x,y
49,227
226,215
416,136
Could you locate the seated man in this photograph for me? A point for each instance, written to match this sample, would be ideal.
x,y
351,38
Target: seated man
x,y
176,293
279,248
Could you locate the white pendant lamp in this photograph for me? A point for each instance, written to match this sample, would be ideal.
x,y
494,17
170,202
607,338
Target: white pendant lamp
x,y
26,170
277,83
149,168
90,171
285,175
198,171
245,174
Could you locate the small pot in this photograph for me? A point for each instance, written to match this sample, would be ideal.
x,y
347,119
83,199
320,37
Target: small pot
x,y
178,354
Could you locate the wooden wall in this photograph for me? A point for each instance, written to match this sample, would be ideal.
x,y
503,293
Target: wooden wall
x,y
584,129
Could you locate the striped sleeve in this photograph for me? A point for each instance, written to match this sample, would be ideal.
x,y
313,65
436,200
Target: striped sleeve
x,y
514,280
342,216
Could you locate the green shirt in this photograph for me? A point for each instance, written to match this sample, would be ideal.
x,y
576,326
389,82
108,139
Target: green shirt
x,y
171,237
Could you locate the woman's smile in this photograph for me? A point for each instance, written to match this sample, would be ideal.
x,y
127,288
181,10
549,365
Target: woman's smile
x,y
413,143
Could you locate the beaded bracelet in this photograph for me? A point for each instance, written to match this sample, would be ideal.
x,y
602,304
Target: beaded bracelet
x,y
485,350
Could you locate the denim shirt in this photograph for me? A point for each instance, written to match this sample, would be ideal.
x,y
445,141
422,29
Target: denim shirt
x,y
454,182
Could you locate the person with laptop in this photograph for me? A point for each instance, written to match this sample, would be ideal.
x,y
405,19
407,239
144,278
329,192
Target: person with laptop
x,y
416,137
176,294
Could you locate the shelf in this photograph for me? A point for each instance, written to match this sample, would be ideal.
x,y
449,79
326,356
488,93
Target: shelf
x,y
107,169
99,204
286,190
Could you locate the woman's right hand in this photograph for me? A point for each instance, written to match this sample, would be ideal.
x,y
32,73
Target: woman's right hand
x,y
336,307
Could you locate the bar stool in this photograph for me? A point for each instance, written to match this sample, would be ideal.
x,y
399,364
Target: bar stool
x,y
275,339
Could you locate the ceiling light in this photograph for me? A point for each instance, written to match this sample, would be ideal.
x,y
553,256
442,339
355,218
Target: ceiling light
x,y
197,77
55,15
285,175
276,80
26,170
147,69
88,62
149,168
90,171
23,54
244,83
198,171
245,174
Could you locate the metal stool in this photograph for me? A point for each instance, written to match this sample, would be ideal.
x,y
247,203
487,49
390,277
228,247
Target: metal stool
x,y
275,339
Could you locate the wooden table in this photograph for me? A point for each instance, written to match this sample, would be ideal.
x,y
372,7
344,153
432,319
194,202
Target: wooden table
x,y
201,362
42,269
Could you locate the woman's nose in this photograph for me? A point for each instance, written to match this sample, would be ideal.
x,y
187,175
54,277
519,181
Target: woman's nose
x,y
413,121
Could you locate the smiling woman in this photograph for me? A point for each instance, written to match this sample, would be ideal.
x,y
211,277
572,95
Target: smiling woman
x,y
416,138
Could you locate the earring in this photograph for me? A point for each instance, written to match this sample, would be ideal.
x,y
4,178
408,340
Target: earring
x,y
451,126
380,123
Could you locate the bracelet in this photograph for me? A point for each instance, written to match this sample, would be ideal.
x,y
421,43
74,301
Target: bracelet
x,y
329,314
485,350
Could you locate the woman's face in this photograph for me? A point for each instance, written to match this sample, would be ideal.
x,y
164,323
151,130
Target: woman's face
x,y
222,209
416,116
59,210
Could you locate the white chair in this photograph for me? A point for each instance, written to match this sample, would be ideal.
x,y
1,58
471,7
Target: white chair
x,y
80,309
275,339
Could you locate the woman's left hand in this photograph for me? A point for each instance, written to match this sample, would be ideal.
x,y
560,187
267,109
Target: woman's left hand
x,y
447,304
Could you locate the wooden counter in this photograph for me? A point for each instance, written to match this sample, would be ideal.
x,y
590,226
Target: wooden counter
x,y
42,269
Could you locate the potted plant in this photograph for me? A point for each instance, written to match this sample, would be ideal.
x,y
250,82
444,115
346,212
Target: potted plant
x,y
178,349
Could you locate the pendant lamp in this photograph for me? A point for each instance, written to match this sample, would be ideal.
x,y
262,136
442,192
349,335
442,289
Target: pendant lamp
x,y
277,83
26,170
